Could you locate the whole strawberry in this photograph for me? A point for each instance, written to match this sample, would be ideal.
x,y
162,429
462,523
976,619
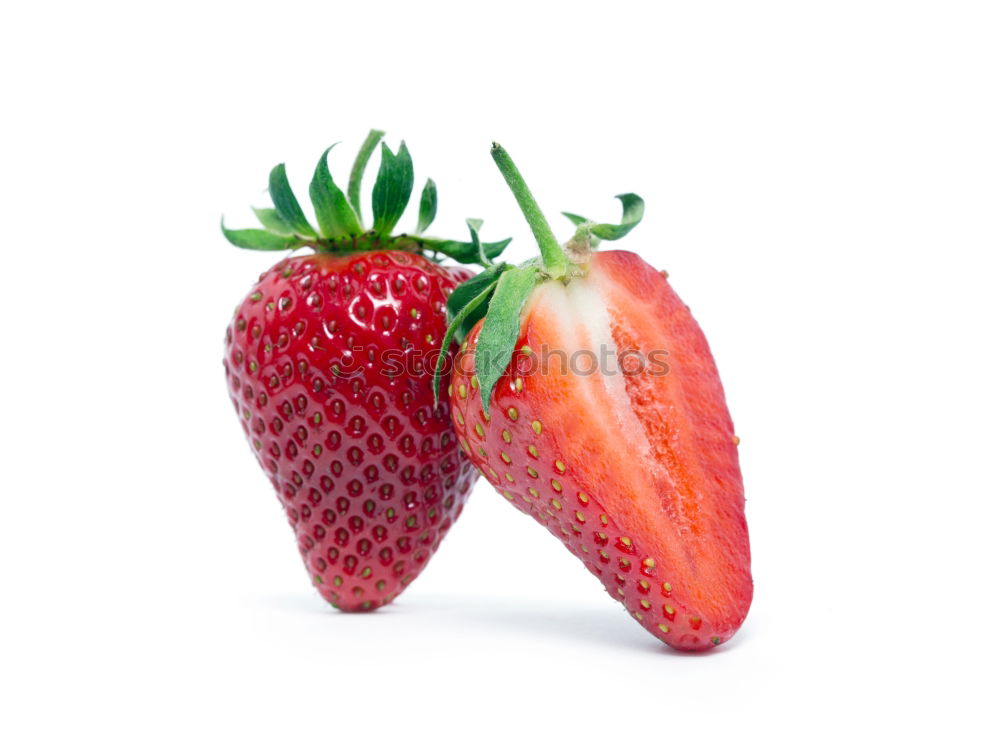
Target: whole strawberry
x,y
589,399
325,369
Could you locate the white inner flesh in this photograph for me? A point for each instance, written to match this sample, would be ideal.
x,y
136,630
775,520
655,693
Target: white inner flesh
x,y
583,314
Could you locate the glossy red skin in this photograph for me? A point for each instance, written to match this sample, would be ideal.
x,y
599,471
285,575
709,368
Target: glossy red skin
x,y
663,530
368,471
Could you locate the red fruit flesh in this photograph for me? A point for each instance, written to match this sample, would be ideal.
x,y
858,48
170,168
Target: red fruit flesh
x,y
637,472
367,468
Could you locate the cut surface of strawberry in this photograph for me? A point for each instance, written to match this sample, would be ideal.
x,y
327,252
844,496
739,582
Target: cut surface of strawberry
x,y
608,425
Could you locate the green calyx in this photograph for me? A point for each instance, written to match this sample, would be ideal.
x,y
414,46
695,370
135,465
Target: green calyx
x,y
589,234
500,291
340,226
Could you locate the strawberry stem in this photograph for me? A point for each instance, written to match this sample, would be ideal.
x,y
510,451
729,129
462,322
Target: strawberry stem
x,y
554,258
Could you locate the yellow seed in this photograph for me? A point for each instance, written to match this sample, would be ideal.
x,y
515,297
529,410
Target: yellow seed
x,y
493,474
479,430
560,465
533,451
736,440
533,491
462,391
474,382
449,390
459,418
604,519
556,504
482,452
664,628
465,445
508,495
526,350
666,587
620,592
519,384
582,497
637,616
532,472
556,486
648,563
537,426
506,436
668,609
580,517
505,457
644,584
509,476
625,541
512,413
645,603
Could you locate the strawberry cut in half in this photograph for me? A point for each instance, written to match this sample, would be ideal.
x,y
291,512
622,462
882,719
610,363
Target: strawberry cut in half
x,y
324,367
586,394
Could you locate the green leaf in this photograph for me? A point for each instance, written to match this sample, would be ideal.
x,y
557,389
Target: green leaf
x,y
474,225
335,216
358,171
468,291
632,209
464,314
502,326
392,188
495,248
577,220
428,206
465,252
255,238
270,220
287,206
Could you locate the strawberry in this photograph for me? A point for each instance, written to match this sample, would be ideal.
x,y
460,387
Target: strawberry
x,y
586,394
322,361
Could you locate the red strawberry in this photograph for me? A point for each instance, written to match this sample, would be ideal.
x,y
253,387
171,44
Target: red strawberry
x,y
608,425
322,360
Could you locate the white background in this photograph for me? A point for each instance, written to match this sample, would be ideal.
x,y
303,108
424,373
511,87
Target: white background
x,y
822,183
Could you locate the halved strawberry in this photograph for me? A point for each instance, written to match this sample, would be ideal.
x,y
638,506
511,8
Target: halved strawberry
x,y
588,397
